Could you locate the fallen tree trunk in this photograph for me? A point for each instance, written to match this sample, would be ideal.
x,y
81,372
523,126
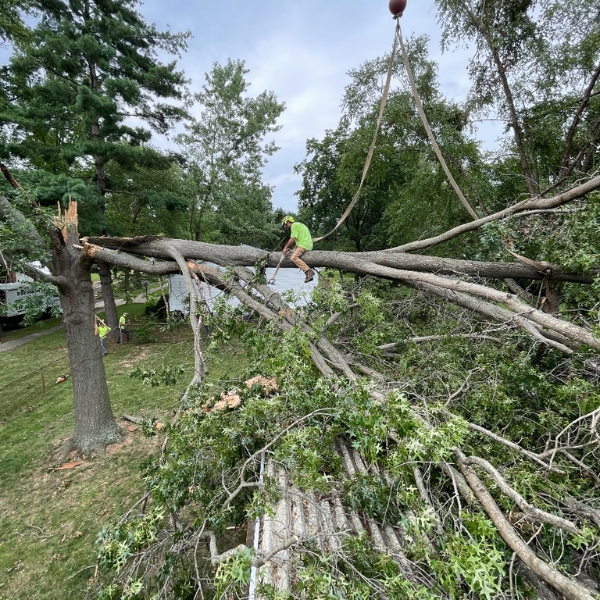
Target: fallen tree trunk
x,y
544,327
247,256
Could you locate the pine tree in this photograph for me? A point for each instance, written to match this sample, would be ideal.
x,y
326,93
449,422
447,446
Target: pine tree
x,y
67,99
73,89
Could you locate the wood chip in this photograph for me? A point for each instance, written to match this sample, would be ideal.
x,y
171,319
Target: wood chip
x,y
69,465
269,384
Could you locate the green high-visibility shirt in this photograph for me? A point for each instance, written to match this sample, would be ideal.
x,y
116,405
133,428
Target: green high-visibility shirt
x,y
301,234
102,331
122,322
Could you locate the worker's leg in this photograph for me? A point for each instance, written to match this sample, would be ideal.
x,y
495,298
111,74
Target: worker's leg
x,y
103,344
298,252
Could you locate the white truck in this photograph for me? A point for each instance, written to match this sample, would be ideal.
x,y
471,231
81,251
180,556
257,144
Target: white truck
x,y
18,289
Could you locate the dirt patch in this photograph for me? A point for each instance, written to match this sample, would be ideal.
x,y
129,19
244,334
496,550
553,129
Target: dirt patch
x,y
127,363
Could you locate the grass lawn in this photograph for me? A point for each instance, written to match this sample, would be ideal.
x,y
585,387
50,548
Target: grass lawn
x,y
51,515
41,326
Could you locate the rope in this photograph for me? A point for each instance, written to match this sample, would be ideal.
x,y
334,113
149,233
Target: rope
x,y
436,148
372,148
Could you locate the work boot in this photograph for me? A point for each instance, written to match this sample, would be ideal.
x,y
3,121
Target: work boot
x,y
309,275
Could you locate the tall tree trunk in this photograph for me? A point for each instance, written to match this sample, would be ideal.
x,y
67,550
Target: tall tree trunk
x,y
95,425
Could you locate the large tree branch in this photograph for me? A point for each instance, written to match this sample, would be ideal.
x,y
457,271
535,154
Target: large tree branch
x,y
509,444
499,314
570,331
248,256
530,511
483,29
199,362
525,205
359,263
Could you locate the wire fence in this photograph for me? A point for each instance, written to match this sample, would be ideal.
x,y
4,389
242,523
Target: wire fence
x,y
26,392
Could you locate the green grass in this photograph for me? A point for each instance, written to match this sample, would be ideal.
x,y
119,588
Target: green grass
x,y
51,518
41,326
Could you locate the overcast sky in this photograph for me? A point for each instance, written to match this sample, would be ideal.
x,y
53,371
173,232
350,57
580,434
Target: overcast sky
x,y
302,51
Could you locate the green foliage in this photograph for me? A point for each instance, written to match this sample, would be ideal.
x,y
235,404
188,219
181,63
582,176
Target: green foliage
x,y
117,545
12,25
148,197
226,151
479,564
233,575
47,542
67,93
166,376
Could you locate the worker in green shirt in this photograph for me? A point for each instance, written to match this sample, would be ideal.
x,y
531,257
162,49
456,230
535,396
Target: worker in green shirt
x,y
102,330
299,235
122,328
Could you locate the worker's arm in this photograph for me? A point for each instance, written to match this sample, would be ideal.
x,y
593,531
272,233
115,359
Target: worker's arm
x,y
290,243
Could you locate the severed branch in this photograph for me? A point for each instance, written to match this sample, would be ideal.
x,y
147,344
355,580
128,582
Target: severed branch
x,y
325,346
464,385
583,510
199,361
594,418
571,589
9,177
426,500
531,512
248,256
502,315
516,289
573,332
532,455
437,338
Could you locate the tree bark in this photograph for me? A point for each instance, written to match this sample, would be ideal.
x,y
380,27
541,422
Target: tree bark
x,y
539,324
248,256
95,424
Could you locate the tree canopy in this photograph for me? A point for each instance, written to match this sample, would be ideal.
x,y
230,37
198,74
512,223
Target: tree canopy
x,y
226,147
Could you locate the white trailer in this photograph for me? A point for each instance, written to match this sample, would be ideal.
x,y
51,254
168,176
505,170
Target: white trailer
x,y
289,279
